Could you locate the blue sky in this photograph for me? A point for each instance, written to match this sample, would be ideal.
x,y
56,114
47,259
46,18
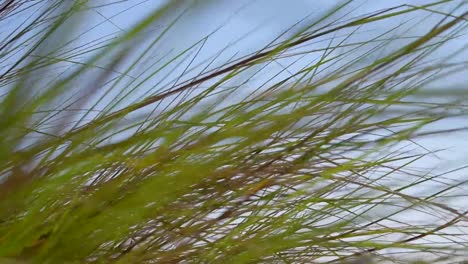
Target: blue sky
x,y
269,18
265,19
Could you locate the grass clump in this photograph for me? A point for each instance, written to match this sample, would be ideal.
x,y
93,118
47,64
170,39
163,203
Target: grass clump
x,y
112,152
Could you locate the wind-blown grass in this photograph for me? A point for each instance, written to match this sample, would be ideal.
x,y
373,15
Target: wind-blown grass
x,y
130,156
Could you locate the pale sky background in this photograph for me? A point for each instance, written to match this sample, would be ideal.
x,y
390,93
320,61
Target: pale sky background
x,y
260,21
269,18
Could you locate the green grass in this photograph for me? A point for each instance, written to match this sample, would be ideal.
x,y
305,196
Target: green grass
x,y
305,151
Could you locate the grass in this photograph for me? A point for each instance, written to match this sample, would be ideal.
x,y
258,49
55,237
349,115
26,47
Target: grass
x,y
304,151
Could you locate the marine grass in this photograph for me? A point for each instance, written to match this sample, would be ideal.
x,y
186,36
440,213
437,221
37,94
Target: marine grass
x,y
113,153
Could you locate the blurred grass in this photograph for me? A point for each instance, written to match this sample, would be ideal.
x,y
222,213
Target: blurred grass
x,y
128,158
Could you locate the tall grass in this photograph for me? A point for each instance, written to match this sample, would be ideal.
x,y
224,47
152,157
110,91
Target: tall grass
x,y
304,151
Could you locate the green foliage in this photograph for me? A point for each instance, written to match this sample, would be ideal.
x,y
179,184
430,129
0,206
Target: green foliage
x,y
173,159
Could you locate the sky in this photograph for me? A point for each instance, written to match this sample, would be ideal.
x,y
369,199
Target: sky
x,y
265,19
257,23
268,18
